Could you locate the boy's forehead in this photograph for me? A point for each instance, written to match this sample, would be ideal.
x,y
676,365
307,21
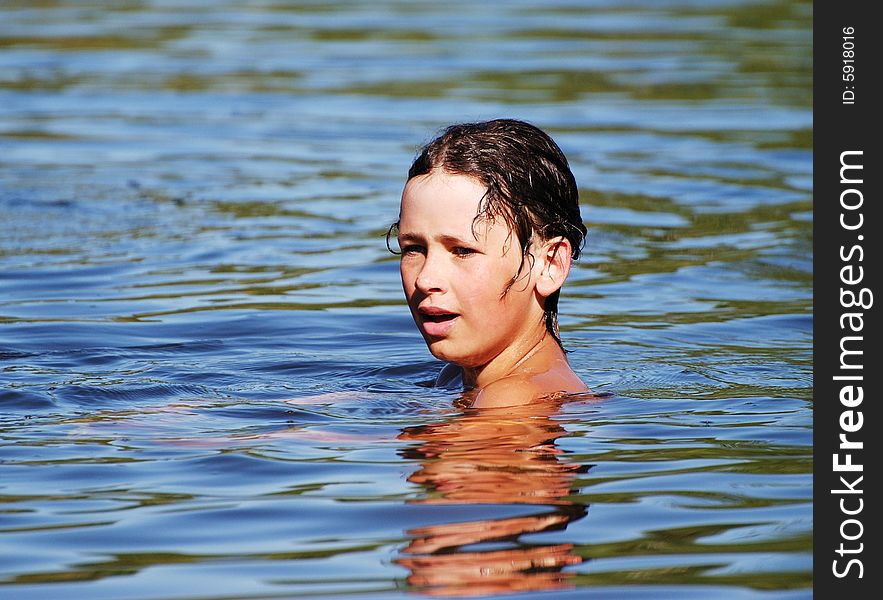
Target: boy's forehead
x,y
451,198
444,185
442,204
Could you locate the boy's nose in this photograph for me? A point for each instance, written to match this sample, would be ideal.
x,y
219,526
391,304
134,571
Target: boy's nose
x,y
430,277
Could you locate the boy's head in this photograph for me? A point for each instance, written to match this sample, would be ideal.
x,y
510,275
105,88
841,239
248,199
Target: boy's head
x,y
529,185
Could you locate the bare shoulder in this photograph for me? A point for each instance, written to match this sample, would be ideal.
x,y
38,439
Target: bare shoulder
x,y
513,390
525,387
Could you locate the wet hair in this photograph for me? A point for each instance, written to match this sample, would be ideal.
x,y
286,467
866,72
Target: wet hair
x,y
529,185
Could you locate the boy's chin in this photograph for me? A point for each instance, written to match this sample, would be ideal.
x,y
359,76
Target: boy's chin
x,y
441,349
446,351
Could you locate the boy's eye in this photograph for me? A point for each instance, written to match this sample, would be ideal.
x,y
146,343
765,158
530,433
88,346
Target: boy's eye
x,y
462,251
411,249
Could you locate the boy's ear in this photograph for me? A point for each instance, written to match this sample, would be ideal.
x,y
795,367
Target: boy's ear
x,y
556,258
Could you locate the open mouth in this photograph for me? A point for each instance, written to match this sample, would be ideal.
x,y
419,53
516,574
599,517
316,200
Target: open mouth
x,y
436,322
442,318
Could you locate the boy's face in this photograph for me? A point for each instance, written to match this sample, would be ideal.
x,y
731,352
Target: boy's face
x,y
455,270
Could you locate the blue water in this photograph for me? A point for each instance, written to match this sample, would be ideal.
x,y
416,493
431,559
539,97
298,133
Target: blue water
x,y
211,387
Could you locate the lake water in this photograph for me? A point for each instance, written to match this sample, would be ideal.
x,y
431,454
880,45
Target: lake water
x,y
211,387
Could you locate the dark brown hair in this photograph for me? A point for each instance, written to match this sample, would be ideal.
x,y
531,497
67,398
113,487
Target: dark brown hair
x,y
528,180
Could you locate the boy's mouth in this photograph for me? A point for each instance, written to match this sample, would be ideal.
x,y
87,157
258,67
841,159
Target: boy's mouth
x,y
436,321
439,318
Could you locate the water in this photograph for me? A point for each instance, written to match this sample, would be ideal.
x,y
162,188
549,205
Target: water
x,y
211,387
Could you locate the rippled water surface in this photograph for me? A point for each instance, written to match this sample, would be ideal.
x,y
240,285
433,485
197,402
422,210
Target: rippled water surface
x,y
211,387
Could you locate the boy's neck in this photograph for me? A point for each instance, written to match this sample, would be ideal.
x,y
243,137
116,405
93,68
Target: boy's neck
x,y
517,357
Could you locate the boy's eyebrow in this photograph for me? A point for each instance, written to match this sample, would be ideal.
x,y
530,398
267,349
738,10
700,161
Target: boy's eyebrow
x,y
409,236
446,239
453,240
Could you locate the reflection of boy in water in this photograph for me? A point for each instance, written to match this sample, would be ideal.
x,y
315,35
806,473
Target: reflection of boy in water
x,y
488,226
492,456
